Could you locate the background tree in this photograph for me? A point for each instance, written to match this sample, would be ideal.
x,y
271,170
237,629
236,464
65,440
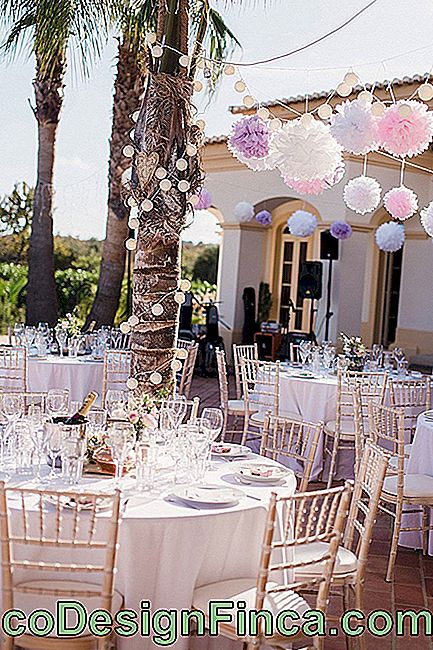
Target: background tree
x,y
47,29
16,211
164,131
206,265
128,86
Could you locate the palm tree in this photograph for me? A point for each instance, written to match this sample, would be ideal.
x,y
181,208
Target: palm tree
x,y
128,85
48,29
163,132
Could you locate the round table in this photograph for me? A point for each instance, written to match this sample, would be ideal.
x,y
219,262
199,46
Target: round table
x,y
80,375
167,549
420,462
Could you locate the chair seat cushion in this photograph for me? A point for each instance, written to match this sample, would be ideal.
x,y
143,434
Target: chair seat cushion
x,y
393,462
346,561
236,405
245,589
28,601
415,485
347,429
260,416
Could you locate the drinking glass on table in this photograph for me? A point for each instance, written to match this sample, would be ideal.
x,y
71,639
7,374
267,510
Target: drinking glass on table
x,y
97,419
57,402
121,439
376,356
62,338
54,447
73,452
145,465
199,441
215,420
400,360
304,351
12,409
115,400
24,447
176,410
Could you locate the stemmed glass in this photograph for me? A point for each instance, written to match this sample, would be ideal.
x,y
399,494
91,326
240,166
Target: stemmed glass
x,y
62,338
214,420
199,439
40,439
24,446
12,408
54,444
114,400
73,452
57,402
376,356
400,360
304,351
121,439
176,410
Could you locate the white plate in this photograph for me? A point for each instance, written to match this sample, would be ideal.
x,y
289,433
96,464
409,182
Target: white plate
x,y
250,473
306,374
229,450
208,495
101,503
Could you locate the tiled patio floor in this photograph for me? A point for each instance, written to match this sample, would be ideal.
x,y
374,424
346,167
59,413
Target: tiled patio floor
x,y
413,584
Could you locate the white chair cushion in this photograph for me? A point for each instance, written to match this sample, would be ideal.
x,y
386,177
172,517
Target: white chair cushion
x,y
260,416
245,589
31,601
347,428
346,561
415,485
393,462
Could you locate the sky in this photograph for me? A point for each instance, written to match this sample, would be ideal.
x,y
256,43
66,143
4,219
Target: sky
x,y
390,39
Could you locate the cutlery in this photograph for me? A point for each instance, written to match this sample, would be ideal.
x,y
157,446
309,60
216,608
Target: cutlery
x,y
183,503
250,496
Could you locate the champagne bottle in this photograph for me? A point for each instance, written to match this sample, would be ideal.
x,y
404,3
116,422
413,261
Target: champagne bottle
x,y
80,416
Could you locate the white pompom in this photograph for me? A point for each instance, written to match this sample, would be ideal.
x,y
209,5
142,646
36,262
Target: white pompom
x,y
426,218
244,211
302,223
362,194
390,236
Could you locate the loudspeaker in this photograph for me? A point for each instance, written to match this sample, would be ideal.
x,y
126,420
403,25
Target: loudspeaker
x,y
310,280
328,246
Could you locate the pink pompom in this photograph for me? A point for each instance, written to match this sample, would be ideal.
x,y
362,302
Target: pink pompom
x,y
401,202
406,128
315,186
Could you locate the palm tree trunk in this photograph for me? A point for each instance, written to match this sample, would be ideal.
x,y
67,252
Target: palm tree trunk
x,y
128,85
41,301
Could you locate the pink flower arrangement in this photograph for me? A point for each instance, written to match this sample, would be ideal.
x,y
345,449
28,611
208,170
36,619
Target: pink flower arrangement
x,y
406,128
401,202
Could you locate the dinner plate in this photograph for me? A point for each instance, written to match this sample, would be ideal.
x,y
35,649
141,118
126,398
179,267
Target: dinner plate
x,y
303,374
83,503
208,495
229,450
261,473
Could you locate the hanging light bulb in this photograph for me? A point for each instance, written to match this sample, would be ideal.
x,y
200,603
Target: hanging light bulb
x,y
179,297
275,124
133,320
366,96
240,86
306,119
249,101
201,124
165,185
124,328
191,150
343,89
325,111
351,79
378,109
185,285
229,69
157,51
184,60
155,378
183,186
150,38
198,86
135,116
263,113
157,309
425,92
176,365
181,353
132,202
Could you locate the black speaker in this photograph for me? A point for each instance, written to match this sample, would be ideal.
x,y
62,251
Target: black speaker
x,y
310,280
328,246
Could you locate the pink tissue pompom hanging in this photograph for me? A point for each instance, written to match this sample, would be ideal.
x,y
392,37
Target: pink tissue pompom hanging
x,y
316,185
354,127
401,202
250,137
406,132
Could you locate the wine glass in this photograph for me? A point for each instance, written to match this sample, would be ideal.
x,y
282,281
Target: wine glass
x,y
114,401
73,452
214,419
199,439
40,439
176,410
54,445
12,409
400,359
121,439
62,338
304,351
57,402
24,446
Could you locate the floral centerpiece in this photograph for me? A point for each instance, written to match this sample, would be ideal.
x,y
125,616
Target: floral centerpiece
x,y
354,351
71,324
142,414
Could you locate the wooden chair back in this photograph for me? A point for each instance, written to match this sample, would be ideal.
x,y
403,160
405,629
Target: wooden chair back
x,y
240,352
386,429
187,371
261,385
117,368
285,438
13,368
413,396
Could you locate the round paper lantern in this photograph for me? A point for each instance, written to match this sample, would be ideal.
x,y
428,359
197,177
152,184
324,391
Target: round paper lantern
x,y
406,128
401,202
362,194
244,211
250,137
205,200
341,230
302,223
264,217
354,127
426,218
390,236
305,150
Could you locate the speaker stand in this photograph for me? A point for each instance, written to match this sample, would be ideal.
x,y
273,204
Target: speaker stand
x,y
311,334
329,314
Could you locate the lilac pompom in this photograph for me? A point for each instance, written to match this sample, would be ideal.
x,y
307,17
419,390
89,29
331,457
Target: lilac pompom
x,y
264,217
205,200
341,230
250,137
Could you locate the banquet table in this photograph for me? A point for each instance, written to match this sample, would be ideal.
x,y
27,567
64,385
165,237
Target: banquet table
x,y
420,462
166,549
80,375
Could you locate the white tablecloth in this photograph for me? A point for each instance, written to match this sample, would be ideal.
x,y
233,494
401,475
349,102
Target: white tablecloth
x,y
166,549
78,375
420,462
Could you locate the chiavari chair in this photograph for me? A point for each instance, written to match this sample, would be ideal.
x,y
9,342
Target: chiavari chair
x,y
182,344
31,398
240,352
283,439
413,396
48,555
187,372
229,407
292,522
340,434
411,492
117,367
352,556
13,368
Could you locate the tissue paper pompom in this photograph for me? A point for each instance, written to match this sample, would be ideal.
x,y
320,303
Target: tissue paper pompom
x,y
305,151
302,223
250,137
401,202
244,211
341,230
362,194
390,236
426,219
256,164
405,136
316,185
205,199
354,127
264,217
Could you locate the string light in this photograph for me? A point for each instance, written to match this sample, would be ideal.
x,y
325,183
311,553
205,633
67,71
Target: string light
x,y
184,60
135,116
124,328
133,223
249,101
325,111
155,378
425,92
160,173
165,185
133,320
128,151
365,96
191,150
263,113
198,86
131,244
131,383
181,164
147,205
157,51
343,89
157,309
229,69
240,86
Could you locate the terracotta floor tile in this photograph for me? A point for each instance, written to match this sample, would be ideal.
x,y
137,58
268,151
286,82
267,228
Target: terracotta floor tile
x,y
410,595
408,557
429,587
406,575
